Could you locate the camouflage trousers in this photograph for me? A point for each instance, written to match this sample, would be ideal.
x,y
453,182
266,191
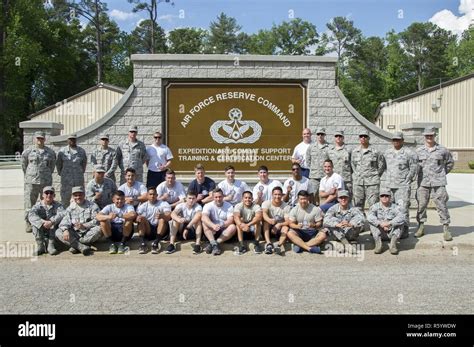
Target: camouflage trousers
x,y
32,193
351,234
363,194
44,234
315,182
440,198
378,232
349,188
401,196
85,237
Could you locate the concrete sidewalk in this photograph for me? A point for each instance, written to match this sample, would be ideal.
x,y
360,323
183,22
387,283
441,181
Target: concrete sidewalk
x,y
461,207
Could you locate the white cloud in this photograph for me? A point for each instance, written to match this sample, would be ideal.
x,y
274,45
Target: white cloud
x,y
121,15
447,20
167,17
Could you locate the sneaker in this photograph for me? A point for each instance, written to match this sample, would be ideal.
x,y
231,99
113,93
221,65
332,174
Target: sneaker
x,y
142,248
315,250
257,248
170,249
86,251
113,248
197,249
296,249
278,249
208,248
216,250
122,248
155,247
242,249
268,248
74,251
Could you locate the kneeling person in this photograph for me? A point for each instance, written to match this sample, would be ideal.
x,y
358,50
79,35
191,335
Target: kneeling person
x,y
275,221
217,222
386,219
186,219
305,220
44,218
153,218
248,217
116,222
79,227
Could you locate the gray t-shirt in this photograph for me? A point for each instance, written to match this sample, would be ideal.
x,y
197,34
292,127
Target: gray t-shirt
x,y
277,212
310,214
246,213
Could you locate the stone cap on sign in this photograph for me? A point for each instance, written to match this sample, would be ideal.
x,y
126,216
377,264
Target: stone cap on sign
x,y
45,124
231,57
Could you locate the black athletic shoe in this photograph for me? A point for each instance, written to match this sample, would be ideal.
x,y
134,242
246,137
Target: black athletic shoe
x,y
170,249
197,249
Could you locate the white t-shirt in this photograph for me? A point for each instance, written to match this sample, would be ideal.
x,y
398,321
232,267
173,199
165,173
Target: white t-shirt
x,y
302,184
300,153
111,208
237,189
218,215
134,191
159,155
150,210
187,213
266,189
175,193
327,183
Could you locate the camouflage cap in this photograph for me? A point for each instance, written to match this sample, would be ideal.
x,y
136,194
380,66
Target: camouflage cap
x,y
133,128
385,191
103,136
48,189
429,131
342,193
72,136
339,132
39,134
364,132
78,189
398,135
320,131
99,168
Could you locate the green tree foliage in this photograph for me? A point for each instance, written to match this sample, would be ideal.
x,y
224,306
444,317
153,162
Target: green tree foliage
x,y
223,35
141,38
186,41
295,37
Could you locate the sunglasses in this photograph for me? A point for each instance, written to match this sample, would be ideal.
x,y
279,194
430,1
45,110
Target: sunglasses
x,y
343,197
338,136
320,134
49,193
105,139
157,137
363,136
295,169
384,196
132,131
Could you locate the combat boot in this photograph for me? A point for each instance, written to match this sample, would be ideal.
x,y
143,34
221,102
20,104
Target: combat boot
x,y
85,250
446,233
41,249
421,230
404,232
393,245
378,245
347,246
29,228
51,244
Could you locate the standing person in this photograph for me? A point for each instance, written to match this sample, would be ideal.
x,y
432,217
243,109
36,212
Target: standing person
x,y
100,188
135,191
131,153
386,219
401,171
232,188
186,219
159,161
105,156
316,154
45,217
218,222
247,218
435,162
275,214
71,165
330,185
299,153
202,185
262,191
79,228
306,221
295,184
171,190
38,167
340,155
367,167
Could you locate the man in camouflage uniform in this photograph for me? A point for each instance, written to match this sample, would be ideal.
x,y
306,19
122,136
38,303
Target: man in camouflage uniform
x,y
434,163
45,217
386,219
367,167
132,154
105,156
343,221
71,165
316,154
38,167
401,171
79,227
341,159
100,188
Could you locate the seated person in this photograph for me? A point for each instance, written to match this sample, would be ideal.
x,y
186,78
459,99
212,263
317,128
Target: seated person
x,y
263,189
232,188
153,218
170,190
275,221
248,217
329,186
135,191
306,220
217,222
202,185
186,219
100,188
116,222
295,184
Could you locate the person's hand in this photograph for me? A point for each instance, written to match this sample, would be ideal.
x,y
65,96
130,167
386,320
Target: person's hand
x,y
129,200
216,227
66,235
182,220
98,195
47,224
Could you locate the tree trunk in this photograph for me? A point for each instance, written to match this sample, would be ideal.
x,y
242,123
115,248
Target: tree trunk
x,y
3,40
99,43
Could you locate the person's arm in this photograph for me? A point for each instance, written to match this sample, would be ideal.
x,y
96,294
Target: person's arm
x,y
449,161
94,209
238,220
59,163
266,217
52,162
84,160
372,217
256,219
34,218
114,164
24,160
196,219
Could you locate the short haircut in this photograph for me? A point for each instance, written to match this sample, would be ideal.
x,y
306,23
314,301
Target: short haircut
x,y
229,167
247,192
303,193
170,172
119,193
130,169
295,164
217,190
199,167
191,192
263,168
277,188
151,188
329,161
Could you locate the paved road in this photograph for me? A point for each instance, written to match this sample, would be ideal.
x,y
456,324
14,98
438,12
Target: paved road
x,y
428,281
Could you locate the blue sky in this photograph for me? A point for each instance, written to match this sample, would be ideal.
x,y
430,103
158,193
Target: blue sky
x,y
373,17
